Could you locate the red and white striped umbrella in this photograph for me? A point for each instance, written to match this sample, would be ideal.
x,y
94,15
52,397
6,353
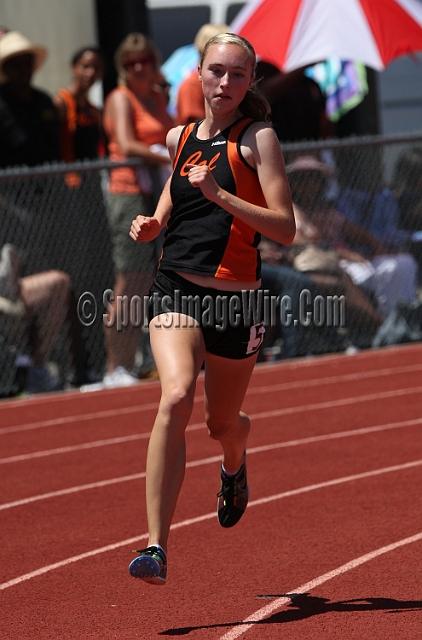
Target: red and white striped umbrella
x,y
297,33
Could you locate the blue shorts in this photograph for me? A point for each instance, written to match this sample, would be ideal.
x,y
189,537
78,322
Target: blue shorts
x,y
231,321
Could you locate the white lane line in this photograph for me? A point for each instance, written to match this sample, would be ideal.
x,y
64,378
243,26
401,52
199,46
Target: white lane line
x,y
72,448
70,490
318,361
336,481
204,461
96,485
346,377
284,386
93,415
86,445
208,516
263,613
336,403
315,361
256,416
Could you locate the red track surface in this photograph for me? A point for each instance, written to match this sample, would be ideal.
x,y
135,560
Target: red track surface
x,y
329,548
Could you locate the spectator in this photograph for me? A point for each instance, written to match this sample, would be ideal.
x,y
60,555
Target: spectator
x,y
383,214
81,134
385,276
29,137
33,310
135,121
407,188
28,117
190,98
298,110
298,338
82,204
29,134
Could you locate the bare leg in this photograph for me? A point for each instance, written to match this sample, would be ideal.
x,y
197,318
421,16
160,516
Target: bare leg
x,y
178,354
46,298
226,383
121,345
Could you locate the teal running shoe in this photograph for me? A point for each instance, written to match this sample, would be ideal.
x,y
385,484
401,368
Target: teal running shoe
x,y
150,565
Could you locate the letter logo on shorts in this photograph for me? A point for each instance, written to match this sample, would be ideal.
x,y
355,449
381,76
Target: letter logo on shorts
x,y
256,337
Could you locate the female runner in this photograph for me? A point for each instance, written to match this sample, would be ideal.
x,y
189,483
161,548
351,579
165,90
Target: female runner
x,y
228,186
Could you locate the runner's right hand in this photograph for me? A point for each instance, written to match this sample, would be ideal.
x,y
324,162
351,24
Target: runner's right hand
x,y
144,229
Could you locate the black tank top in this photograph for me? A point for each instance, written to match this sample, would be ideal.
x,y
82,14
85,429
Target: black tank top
x,y
201,237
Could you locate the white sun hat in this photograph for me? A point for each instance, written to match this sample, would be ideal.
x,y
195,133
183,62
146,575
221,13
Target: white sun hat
x,y
13,43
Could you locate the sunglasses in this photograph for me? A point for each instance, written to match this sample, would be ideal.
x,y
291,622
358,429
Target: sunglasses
x,y
129,64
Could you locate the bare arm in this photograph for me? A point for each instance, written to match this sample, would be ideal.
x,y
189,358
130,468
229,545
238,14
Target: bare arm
x,y
276,221
119,110
145,229
60,106
172,140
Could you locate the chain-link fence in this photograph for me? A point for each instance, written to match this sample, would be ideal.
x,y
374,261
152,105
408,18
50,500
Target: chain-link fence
x,y
54,226
55,218
357,250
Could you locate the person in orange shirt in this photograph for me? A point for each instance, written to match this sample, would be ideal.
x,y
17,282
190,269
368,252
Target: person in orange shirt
x,y
81,136
136,122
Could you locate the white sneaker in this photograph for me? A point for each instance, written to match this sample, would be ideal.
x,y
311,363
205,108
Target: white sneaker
x,y
119,378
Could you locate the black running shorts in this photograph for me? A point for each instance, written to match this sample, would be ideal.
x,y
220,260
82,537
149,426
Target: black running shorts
x,y
231,321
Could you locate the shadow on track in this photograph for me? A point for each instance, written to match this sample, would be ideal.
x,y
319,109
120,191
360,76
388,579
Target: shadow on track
x,y
305,606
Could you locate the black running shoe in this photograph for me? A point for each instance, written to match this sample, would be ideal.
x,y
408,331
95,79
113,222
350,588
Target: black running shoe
x,y
150,565
233,497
